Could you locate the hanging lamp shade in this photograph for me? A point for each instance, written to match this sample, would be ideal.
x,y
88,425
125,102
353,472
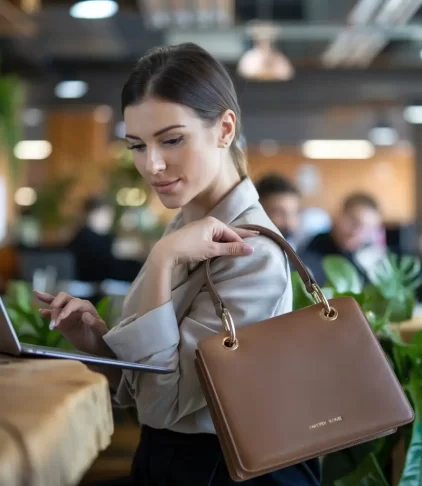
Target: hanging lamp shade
x,y
264,62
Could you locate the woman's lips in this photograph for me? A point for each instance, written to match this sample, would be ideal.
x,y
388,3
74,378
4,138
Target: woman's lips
x,y
166,187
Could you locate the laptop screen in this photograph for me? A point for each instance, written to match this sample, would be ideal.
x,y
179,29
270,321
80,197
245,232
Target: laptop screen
x,y
9,342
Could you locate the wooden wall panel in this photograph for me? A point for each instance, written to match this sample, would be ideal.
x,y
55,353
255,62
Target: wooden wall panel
x,y
389,177
80,140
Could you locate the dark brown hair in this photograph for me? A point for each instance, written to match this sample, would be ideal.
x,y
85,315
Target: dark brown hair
x,y
360,199
275,184
188,75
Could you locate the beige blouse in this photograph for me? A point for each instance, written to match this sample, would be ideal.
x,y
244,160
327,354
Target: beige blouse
x,y
254,287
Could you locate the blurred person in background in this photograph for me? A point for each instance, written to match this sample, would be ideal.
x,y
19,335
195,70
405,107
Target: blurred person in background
x,y
356,235
183,125
92,245
280,199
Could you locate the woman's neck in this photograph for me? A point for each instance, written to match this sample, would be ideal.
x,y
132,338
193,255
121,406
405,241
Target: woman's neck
x,y
207,200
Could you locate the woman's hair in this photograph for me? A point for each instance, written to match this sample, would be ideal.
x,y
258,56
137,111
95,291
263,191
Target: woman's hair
x,y
188,75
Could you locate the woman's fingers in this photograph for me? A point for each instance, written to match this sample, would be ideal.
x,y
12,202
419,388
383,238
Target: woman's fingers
x,y
233,248
229,233
52,314
43,297
245,233
61,300
74,306
46,312
91,320
229,240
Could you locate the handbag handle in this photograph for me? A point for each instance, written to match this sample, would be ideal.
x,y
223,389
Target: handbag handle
x,y
310,284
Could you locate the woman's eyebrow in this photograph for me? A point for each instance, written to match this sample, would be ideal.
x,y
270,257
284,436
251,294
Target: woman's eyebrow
x,y
159,132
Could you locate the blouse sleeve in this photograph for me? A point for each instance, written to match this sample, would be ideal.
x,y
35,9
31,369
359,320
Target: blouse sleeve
x,y
254,287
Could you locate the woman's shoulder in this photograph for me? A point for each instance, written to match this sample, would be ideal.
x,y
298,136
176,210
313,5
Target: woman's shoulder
x,y
256,286
263,244
268,259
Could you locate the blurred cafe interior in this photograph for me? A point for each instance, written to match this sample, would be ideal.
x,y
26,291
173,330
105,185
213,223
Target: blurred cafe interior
x,y
331,99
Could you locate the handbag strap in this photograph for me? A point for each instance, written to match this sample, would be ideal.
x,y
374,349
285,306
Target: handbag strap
x,y
310,284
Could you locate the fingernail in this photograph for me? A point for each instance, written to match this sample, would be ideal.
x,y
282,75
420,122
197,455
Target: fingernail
x,y
52,324
247,249
255,232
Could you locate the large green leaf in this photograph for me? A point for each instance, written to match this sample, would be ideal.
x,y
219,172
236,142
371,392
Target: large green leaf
x,y
412,473
103,308
340,464
402,307
414,351
342,275
368,473
30,326
376,307
359,465
301,298
22,295
394,277
410,267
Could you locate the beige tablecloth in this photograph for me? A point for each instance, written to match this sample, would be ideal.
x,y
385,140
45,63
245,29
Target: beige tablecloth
x,y
55,417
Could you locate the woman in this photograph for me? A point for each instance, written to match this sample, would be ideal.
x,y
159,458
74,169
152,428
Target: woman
x,y
183,123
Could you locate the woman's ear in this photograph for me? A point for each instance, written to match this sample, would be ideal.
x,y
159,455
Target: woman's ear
x,y
227,128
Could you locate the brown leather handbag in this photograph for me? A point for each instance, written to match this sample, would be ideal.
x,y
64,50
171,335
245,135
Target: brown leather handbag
x,y
297,386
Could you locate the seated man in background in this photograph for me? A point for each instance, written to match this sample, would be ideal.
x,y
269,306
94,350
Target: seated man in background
x,y
92,244
355,235
281,201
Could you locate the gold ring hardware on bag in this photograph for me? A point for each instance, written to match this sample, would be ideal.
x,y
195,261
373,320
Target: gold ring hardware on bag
x,y
328,312
227,344
228,324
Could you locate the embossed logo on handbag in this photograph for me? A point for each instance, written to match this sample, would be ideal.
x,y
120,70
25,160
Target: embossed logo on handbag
x,y
326,422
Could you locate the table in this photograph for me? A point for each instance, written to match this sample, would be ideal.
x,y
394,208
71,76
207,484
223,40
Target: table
x,y
55,417
409,328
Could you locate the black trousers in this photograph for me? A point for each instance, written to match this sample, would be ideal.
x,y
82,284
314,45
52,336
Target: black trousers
x,y
166,458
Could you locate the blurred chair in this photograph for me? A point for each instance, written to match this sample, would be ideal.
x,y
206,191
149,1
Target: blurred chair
x,y
31,260
402,238
53,270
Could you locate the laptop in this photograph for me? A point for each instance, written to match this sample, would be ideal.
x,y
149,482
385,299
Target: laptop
x,y
10,344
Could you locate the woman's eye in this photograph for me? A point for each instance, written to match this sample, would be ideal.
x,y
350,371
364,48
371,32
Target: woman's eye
x,y
140,147
173,141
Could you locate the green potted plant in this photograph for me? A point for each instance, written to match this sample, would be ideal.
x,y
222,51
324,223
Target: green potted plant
x,y
11,102
387,300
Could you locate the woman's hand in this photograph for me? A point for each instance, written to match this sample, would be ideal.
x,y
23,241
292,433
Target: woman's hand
x,y
201,240
77,320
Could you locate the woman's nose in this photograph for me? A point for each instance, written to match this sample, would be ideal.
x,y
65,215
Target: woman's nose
x,y
155,162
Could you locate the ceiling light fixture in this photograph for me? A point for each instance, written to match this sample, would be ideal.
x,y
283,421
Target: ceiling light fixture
x,y
32,149
338,149
264,62
25,196
413,114
383,136
71,89
94,9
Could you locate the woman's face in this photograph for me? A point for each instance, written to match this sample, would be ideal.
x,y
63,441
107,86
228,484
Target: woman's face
x,y
173,149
